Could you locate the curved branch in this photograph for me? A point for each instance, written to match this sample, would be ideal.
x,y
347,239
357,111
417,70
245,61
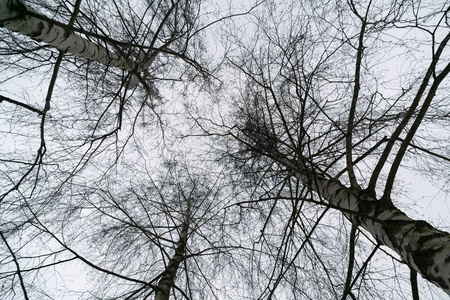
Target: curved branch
x,y
412,131
407,117
16,262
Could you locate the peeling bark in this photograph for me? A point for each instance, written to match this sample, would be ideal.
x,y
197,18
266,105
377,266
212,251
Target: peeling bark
x,y
424,248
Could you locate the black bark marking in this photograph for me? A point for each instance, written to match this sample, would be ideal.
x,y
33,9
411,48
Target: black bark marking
x,y
37,31
424,259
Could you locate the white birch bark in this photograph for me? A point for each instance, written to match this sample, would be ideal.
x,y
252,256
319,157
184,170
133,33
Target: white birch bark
x,y
423,247
13,16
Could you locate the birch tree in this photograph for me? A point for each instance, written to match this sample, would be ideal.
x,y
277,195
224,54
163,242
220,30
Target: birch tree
x,y
294,131
84,57
156,233
17,17
114,46
325,121
150,237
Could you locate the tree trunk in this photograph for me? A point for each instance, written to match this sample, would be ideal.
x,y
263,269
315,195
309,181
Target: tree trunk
x,y
423,247
17,17
167,281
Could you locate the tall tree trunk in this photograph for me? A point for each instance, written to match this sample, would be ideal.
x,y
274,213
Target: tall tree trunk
x,y
18,18
167,281
424,248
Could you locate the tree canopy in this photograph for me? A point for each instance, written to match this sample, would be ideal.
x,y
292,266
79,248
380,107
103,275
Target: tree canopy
x,y
194,149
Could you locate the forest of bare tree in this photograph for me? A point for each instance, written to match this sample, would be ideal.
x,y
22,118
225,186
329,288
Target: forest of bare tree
x,y
197,149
